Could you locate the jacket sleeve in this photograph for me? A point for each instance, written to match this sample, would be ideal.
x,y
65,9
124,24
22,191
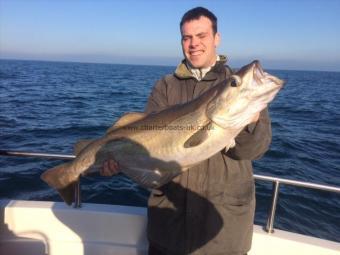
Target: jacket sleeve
x,y
254,139
157,100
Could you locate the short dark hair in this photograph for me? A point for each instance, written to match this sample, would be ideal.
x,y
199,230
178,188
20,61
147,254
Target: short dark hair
x,y
198,12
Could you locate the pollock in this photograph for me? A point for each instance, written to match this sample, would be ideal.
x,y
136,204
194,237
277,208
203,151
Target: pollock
x,y
152,149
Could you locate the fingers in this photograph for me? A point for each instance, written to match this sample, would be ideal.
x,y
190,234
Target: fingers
x,y
110,167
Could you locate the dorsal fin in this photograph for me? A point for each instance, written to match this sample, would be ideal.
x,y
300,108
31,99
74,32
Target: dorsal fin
x,y
127,119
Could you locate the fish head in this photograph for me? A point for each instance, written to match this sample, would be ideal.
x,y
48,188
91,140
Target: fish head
x,y
244,95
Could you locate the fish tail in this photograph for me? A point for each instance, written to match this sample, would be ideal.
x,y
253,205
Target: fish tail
x,y
60,178
68,193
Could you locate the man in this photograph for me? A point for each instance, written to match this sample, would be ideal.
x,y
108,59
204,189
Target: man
x,y
208,209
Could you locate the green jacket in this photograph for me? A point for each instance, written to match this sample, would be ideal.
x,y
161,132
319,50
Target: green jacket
x,y
208,209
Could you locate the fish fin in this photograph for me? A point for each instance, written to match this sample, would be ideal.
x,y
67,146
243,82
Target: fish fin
x,y
58,177
151,178
67,193
197,138
80,145
126,119
232,144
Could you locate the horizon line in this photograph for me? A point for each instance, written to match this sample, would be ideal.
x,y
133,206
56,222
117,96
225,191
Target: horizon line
x,y
158,65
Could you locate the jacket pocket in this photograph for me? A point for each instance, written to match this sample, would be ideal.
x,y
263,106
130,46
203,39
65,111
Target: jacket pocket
x,y
236,194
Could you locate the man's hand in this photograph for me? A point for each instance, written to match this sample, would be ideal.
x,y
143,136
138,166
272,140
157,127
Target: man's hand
x,y
110,167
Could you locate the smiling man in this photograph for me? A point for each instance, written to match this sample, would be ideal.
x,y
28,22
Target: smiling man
x,y
210,208
199,42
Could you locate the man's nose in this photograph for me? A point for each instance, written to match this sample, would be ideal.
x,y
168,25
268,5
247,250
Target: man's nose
x,y
194,42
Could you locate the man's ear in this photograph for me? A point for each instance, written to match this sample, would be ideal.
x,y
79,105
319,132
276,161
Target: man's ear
x,y
217,39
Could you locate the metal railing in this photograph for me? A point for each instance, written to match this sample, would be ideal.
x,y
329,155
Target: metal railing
x,y
275,193
275,180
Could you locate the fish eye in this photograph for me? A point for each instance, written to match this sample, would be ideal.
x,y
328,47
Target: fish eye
x,y
235,81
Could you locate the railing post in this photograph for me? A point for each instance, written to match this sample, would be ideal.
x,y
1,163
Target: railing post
x,y
271,217
77,195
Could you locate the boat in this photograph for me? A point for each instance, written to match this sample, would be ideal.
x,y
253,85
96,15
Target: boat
x,y
53,228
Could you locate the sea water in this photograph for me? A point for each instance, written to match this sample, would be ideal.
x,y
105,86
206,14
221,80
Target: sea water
x,y
48,106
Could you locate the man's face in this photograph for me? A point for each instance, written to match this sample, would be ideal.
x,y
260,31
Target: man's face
x,y
199,42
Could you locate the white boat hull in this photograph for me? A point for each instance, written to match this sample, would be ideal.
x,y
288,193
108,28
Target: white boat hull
x,y
34,227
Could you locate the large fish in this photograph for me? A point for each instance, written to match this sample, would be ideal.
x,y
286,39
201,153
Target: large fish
x,y
153,149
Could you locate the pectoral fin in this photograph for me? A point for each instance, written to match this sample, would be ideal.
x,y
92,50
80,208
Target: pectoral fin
x,y
199,137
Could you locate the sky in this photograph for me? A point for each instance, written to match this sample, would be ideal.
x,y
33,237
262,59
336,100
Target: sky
x,y
287,34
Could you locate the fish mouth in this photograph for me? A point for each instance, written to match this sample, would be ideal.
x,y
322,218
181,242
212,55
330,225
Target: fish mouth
x,y
258,72
260,76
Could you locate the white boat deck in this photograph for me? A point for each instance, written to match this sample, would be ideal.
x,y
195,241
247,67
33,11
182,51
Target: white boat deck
x,y
33,227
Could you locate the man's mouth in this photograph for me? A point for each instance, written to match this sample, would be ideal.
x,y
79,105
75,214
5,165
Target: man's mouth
x,y
196,53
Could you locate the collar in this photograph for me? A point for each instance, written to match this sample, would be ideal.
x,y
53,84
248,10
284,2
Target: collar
x,y
183,71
